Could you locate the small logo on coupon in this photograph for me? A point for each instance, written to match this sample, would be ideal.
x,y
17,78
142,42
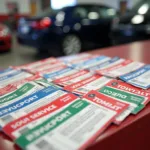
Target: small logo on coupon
x,y
114,83
91,95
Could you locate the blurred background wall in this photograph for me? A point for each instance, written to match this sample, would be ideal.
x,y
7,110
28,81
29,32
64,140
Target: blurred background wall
x,y
23,6
112,3
34,7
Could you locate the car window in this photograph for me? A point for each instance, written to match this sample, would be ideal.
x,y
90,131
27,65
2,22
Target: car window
x,y
105,12
93,12
80,12
86,12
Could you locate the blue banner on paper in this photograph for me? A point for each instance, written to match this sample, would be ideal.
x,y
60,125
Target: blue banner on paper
x,y
27,100
6,70
111,61
13,74
90,61
139,78
57,73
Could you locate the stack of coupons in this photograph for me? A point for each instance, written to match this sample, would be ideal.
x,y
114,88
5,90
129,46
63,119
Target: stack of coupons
x,y
66,103
13,97
10,76
139,78
32,66
15,78
7,89
7,72
21,92
45,83
76,59
74,127
22,124
73,78
117,67
82,87
48,68
22,105
135,97
91,62
108,63
53,75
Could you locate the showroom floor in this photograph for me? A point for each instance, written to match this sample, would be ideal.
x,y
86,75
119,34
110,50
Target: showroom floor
x,y
19,55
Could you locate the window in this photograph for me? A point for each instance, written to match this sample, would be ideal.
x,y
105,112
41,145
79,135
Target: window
x,y
107,12
93,12
58,4
80,12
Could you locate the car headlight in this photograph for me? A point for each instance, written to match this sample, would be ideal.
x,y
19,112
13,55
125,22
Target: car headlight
x,y
137,19
4,32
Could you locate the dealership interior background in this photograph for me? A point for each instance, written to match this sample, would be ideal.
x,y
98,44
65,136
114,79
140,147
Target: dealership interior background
x,y
11,10
74,74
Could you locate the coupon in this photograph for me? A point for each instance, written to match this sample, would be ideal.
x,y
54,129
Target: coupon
x,y
75,127
26,105
91,62
46,83
21,125
59,74
14,77
16,85
7,72
123,86
7,89
13,85
136,101
52,70
47,67
122,68
82,87
75,58
22,92
79,58
139,78
36,64
70,79
106,64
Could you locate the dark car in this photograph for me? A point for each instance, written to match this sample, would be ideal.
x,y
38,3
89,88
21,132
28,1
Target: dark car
x,y
133,26
68,30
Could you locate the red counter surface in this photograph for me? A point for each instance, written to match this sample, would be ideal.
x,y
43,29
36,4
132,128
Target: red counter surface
x,y
134,132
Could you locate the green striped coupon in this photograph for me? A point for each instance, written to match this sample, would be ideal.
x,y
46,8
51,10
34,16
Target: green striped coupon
x,y
124,96
16,94
51,123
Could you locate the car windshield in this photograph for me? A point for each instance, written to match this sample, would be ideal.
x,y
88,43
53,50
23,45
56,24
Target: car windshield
x,y
142,7
94,12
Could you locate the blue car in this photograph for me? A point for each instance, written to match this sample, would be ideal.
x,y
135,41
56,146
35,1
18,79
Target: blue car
x,y
69,30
